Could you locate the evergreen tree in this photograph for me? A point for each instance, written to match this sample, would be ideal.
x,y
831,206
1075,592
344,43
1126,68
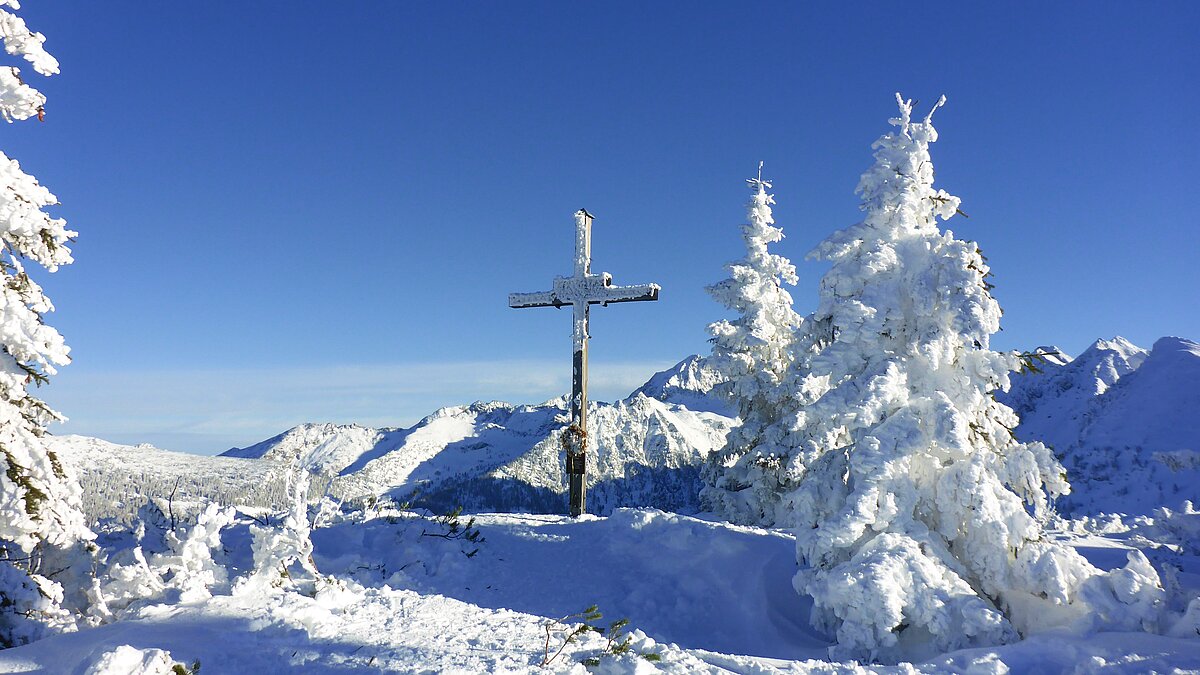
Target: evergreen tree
x,y
753,353
40,514
918,516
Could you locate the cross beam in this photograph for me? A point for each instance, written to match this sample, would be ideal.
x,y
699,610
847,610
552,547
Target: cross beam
x,y
580,291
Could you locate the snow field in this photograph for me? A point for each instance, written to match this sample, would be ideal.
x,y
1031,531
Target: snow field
x,y
704,596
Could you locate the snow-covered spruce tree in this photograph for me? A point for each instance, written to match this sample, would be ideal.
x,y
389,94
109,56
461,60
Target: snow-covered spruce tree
x,y
918,518
40,515
753,352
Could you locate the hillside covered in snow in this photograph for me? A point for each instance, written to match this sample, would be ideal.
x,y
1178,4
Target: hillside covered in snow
x,y
1125,422
646,450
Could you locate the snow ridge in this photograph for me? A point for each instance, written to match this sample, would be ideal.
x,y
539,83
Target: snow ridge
x,y
1123,421
690,384
646,450
1056,404
494,456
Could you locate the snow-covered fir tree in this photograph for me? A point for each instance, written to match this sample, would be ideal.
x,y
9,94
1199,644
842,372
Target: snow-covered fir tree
x,y
918,518
40,515
753,354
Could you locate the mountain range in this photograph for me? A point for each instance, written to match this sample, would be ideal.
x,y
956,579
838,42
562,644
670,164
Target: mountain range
x,y
1124,421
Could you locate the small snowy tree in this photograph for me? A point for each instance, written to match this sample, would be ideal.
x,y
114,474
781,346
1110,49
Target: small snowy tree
x,y
283,555
40,514
188,565
753,352
917,520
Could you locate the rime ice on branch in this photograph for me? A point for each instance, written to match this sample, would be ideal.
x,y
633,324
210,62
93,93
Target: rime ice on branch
x,y
754,352
581,290
40,514
918,518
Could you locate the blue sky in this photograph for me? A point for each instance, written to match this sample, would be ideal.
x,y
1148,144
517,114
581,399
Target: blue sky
x,y
314,211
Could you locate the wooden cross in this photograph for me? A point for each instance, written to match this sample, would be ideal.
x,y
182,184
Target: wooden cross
x,y
581,290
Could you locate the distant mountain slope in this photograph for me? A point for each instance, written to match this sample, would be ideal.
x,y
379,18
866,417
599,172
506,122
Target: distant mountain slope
x,y
1157,406
646,451
1056,404
118,479
1125,422
498,457
323,448
688,383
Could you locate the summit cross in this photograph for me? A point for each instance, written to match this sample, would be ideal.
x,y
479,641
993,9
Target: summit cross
x,y
580,291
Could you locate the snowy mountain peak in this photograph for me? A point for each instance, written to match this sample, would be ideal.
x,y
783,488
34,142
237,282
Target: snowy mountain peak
x,y
1102,364
688,383
1153,408
319,447
1171,347
1053,354
1109,360
1054,404
1117,347
1123,421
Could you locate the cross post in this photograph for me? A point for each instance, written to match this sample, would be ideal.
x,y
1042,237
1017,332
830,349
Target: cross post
x,y
581,290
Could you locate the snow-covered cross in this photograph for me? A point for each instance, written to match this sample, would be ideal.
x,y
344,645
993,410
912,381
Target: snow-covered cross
x,y
581,290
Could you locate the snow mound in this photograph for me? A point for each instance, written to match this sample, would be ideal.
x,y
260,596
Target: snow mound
x,y
127,660
695,583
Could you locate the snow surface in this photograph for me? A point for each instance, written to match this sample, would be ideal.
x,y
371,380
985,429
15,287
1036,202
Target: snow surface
x,y
704,596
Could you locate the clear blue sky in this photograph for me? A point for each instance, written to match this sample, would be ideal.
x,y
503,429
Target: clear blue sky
x,y
312,211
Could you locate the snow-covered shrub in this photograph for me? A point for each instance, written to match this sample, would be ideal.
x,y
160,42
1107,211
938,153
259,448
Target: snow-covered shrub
x,y
619,641
189,567
917,517
41,523
1188,625
31,607
753,353
151,527
128,578
283,554
164,567
185,569
327,512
